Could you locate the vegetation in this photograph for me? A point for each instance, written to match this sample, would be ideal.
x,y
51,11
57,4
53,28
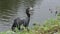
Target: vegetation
x,y
51,26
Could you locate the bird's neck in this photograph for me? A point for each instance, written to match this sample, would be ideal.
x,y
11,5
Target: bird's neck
x,y
28,16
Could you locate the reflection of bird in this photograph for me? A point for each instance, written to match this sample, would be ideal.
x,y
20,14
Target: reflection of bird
x,y
18,22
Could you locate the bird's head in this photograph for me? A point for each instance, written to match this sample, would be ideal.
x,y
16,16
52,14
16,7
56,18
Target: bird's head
x,y
29,10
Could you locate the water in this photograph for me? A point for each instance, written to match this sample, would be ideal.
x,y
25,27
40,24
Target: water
x,y
10,9
42,12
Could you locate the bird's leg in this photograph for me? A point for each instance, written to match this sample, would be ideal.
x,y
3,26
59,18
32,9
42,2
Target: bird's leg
x,y
19,28
13,27
27,29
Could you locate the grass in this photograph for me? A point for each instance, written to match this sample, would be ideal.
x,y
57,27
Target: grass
x,y
51,26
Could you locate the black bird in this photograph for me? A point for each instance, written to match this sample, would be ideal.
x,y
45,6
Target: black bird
x,y
18,22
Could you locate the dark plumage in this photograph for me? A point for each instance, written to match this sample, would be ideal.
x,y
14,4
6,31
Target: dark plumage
x,y
18,22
